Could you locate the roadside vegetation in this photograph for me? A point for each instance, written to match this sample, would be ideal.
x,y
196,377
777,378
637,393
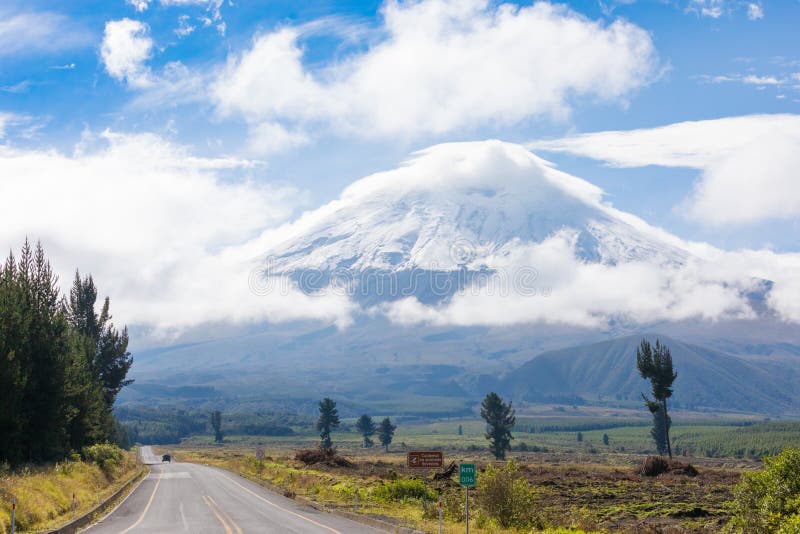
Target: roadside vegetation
x,y
567,491
768,501
44,492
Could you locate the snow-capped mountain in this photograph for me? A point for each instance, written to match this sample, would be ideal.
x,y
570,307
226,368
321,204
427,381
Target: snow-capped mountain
x,y
462,207
468,233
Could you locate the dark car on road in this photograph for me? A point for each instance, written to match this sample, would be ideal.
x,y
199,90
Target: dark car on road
x,y
166,458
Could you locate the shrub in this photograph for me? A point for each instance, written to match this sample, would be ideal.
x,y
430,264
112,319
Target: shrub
x,y
322,456
108,457
790,525
453,504
653,466
769,500
401,490
505,496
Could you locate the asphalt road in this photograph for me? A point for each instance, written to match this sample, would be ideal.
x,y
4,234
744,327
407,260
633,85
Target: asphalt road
x,y
181,497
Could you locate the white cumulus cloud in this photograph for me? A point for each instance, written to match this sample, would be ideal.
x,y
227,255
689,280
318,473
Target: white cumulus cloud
x,y
707,8
139,5
749,164
440,66
160,229
126,48
755,11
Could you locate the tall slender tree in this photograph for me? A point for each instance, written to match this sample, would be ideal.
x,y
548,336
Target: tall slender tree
x,y
366,427
14,366
500,420
386,433
328,420
658,432
108,354
216,424
655,364
48,346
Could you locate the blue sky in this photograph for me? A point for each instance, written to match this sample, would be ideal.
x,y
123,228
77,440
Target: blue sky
x,y
289,102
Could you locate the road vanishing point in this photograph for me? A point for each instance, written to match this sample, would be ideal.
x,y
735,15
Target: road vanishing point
x,y
184,497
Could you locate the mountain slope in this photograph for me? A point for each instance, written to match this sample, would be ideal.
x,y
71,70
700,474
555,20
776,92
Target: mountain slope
x,y
707,379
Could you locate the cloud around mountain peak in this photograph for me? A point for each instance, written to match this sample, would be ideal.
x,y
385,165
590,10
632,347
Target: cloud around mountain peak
x,y
546,247
489,166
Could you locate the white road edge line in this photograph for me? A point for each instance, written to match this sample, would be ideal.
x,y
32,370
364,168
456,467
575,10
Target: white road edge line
x,y
146,508
120,503
256,495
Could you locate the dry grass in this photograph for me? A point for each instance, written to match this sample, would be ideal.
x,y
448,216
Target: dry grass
x,y
570,492
44,493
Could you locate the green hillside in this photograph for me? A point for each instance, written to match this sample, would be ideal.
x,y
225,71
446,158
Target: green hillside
x,y
707,379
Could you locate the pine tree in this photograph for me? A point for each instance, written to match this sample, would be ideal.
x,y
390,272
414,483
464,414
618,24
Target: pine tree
x,y
500,420
328,420
655,365
109,358
605,440
88,418
366,427
48,346
580,437
460,430
216,424
14,363
386,433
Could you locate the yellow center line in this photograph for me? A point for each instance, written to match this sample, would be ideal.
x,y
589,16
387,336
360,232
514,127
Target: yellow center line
x,y
304,518
225,514
213,509
146,508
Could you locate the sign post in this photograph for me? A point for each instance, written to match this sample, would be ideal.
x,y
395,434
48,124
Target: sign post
x,y
425,459
440,514
466,506
466,477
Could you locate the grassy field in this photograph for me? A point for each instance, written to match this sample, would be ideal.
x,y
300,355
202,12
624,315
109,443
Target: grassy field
x,y
693,437
584,485
44,493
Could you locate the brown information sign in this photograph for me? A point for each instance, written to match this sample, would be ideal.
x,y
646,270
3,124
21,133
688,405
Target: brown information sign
x,y
425,459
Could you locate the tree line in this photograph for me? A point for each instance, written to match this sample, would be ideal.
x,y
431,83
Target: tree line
x,y
329,420
62,363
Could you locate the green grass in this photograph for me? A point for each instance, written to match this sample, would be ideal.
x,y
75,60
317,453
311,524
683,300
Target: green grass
x,y
698,438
